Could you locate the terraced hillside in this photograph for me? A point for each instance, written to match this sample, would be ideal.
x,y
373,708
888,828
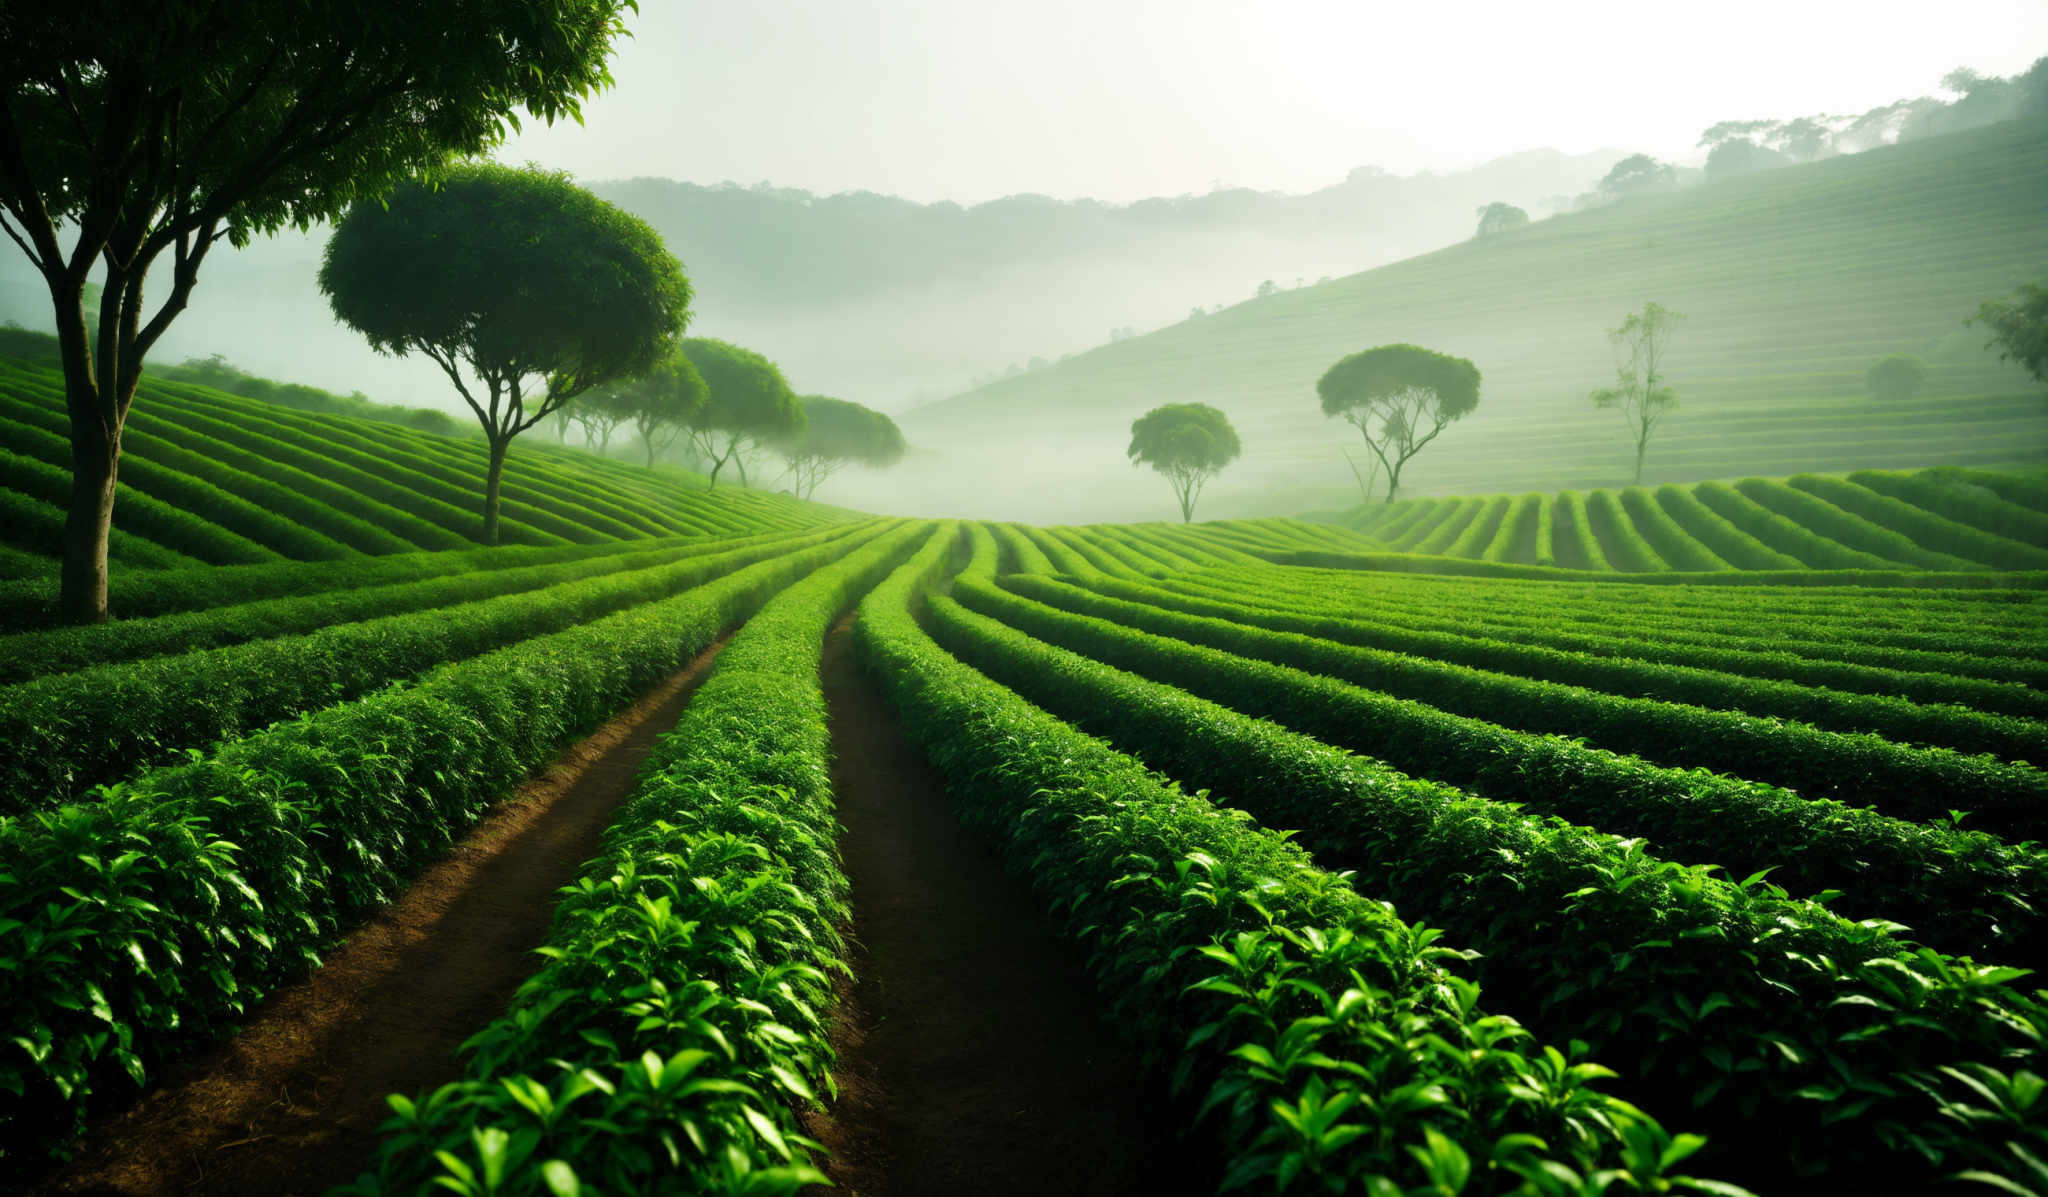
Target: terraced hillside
x,y
216,479
1310,838
1949,518
1792,281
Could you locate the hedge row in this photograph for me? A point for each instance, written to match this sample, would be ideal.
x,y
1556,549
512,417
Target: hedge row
x,y
1329,1044
1720,537
718,882
1672,543
1692,979
61,735
1620,541
36,527
1959,500
1928,529
1844,527
139,926
170,527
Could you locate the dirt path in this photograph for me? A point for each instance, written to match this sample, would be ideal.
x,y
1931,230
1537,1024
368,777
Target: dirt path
x,y
292,1104
973,1059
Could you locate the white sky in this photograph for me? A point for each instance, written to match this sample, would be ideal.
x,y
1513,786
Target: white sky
x,y
1118,99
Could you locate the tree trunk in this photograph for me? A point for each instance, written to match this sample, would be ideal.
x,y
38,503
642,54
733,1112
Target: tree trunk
x,y
1642,447
491,481
1394,479
96,420
717,464
739,462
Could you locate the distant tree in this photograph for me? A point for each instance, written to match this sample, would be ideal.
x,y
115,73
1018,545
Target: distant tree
x,y
747,405
1195,312
1400,398
1497,217
1636,173
525,289
1265,288
1639,389
597,416
1189,443
1739,156
1897,376
838,434
144,130
2019,328
660,404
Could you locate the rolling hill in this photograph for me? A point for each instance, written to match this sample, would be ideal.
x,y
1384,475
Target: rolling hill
x,y
1793,282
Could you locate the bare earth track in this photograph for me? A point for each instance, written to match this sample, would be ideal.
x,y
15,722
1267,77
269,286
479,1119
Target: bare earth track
x,y
972,1059
292,1104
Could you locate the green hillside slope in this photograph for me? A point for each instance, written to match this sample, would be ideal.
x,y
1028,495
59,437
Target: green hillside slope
x,y
212,478
1793,283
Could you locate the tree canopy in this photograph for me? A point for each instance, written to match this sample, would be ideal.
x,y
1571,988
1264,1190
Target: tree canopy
x,y
1400,398
1188,443
1635,173
523,288
140,130
1895,376
2019,328
837,434
748,404
1497,217
660,404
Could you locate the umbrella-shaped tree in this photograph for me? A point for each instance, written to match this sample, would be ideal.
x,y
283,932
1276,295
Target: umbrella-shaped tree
x,y
748,404
838,434
1399,397
661,404
524,288
1189,443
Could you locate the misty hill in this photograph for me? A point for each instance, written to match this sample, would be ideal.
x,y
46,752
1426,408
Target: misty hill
x,y
884,300
1793,281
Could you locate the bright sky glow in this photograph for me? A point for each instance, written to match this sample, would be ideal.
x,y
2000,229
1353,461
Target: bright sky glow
x,y
1119,99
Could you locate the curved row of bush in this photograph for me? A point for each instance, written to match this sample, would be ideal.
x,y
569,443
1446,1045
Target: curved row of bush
x,y
1965,729
1924,528
35,526
1327,1042
164,525
1642,648
1915,783
729,836
137,927
1963,890
28,655
1844,527
1961,501
60,735
1692,979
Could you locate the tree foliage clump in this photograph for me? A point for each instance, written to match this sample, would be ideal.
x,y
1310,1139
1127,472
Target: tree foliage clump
x,y
1188,443
1400,398
2019,328
1635,174
1640,391
525,289
1895,376
748,404
838,434
660,405
151,131
1497,217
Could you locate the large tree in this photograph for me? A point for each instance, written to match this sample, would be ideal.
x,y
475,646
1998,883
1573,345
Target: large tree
x,y
525,289
1188,443
749,405
1640,391
1400,398
137,131
838,434
2019,326
661,404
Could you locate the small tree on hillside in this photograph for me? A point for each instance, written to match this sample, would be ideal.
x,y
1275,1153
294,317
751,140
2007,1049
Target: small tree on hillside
x,y
525,289
838,434
1497,218
1896,376
748,404
597,415
1400,398
2019,327
1189,443
152,132
1639,389
660,404
1637,173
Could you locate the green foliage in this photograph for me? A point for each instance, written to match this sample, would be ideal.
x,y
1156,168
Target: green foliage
x,y
1637,173
1497,218
1400,398
1330,1043
660,404
1640,391
1189,443
222,375
679,1023
750,404
2019,326
1896,376
157,916
67,732
837,434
